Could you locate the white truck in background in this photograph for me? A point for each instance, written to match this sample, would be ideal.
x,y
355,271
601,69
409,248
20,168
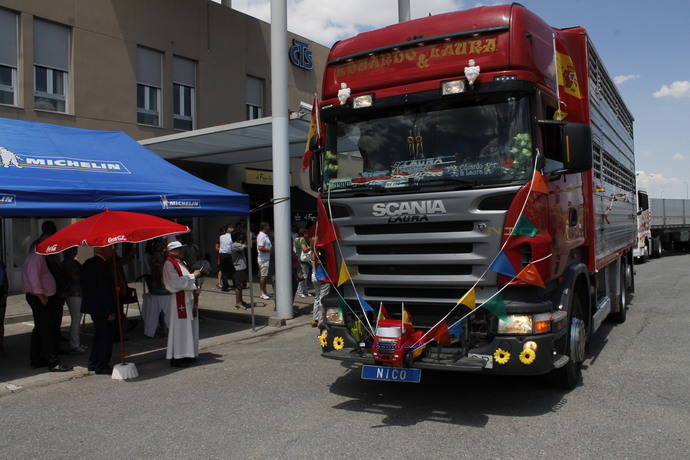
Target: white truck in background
x,y
663,224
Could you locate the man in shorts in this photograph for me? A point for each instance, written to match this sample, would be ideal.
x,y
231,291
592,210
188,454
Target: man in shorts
x,y
263,246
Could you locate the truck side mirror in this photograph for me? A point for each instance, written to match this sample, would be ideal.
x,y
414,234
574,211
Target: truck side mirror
x,y
567,146
315,175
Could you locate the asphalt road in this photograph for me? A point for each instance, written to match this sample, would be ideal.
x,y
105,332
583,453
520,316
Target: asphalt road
x,y
274,397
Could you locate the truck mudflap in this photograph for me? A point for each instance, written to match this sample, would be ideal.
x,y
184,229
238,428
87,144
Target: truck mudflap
x,y
502,356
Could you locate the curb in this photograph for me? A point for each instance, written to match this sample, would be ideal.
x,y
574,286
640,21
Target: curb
x,y
47,378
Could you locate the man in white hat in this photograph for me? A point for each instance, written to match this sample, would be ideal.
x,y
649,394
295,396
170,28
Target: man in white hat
x,y
183,333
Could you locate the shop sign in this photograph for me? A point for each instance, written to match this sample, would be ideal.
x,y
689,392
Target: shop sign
x,y
300,55
258,176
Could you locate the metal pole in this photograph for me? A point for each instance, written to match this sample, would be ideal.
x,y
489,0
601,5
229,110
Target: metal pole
x,y
403,10
281,159
250,269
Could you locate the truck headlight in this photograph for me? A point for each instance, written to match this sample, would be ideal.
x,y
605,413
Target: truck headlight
x,y
335,316
452,87
526,324
363,101
516,324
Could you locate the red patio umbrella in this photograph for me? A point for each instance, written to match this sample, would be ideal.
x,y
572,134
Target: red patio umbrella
x,y
108,228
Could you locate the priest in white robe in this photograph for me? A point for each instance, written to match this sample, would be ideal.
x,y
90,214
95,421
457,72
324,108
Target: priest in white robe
x,y
183,332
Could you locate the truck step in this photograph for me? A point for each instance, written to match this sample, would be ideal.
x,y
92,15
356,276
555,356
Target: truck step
x,y
603,310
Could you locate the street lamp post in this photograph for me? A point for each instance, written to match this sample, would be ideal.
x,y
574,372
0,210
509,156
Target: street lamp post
x,y
281,160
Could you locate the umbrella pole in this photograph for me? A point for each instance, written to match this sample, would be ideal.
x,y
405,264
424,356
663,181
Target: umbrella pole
x,y
116,279
249,269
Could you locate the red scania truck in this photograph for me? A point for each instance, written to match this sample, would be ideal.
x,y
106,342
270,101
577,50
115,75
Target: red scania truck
x,y
433,129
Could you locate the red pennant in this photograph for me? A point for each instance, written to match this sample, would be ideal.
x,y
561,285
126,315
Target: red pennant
x,y
538,184
306,159
325,233
530,275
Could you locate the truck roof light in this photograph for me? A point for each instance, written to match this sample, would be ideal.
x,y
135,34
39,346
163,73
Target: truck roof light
x,y
363,101
452,87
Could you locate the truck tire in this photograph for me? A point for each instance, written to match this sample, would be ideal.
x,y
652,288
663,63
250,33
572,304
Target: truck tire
x,y
656,248
623,296
570,375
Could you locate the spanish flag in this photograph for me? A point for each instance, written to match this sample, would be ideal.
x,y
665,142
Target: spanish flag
x,y
314,136
567,75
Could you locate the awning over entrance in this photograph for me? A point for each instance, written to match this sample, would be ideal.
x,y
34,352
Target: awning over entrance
x,y
241,142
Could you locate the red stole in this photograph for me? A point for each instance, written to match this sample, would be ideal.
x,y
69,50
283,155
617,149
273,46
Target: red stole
x,y
179,295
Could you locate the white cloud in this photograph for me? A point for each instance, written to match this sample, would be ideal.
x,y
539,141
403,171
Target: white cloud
x,y
618,79
327,21
675,89
660,186
678,157
650,178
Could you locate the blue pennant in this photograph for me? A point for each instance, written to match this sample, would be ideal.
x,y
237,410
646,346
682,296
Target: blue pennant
x,y
321,274
365,306
503,266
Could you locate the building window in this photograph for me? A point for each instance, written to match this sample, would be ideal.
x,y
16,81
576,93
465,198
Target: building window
x,y
149,72
8,57
184,86
254,98
51,66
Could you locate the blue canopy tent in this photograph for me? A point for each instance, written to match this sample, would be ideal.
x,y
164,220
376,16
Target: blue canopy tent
x,y
55,171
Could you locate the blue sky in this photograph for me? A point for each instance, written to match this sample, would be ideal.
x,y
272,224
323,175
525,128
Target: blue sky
x,y
646,44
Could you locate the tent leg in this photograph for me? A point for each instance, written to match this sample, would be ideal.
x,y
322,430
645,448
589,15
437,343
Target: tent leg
x,y
249,268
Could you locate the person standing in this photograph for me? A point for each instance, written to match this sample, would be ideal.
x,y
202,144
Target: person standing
x,y
98,300
72,270
263,246
4,288
41,295
239,277
226,267
303,251
322,285
183,333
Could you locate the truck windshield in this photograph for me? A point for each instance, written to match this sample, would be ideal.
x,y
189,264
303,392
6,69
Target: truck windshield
x,y
484,143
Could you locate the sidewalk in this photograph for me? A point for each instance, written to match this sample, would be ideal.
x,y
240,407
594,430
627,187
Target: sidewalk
x,y
220,323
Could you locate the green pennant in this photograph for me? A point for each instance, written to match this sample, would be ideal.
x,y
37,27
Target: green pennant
x,y
497,307
524,227
342,304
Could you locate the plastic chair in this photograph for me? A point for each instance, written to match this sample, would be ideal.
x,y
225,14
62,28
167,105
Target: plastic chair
x,y
131,297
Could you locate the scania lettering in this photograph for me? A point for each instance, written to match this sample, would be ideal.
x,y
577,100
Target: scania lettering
x,y
440,126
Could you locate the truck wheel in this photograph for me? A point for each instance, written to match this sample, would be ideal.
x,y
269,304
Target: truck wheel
x,y
572,345
656,248
623,299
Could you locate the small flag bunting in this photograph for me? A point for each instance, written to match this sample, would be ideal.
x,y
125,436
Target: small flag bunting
x,y
524,227
496,306
502,265
321,274
469,300
365,306
344,274
531,275
538,184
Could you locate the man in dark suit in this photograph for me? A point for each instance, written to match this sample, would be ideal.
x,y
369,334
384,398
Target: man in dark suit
x,y
98,299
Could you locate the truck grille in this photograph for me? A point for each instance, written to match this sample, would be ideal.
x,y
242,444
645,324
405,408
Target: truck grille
x,y
424,270
427,292
419,227
388,249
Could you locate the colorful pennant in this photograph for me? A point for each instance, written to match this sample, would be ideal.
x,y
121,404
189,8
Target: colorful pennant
x,y
531,275
321,274
344,274
538,184
383,313
469,300
496,306
447,331
406,318
502,265
365,306
524,227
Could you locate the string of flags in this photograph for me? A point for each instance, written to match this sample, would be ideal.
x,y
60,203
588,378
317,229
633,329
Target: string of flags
x,y
449,329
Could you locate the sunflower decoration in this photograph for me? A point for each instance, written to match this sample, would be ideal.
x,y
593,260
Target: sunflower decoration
x,y
338,343
323,338
527,356
501,356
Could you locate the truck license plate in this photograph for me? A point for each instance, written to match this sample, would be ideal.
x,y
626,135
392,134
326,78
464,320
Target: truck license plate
x,y
392,374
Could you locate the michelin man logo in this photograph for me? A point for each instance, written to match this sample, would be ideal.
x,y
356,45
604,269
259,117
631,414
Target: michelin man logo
x,y
9,158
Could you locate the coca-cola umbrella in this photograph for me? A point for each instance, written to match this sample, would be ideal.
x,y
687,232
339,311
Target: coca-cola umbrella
x,y
105,229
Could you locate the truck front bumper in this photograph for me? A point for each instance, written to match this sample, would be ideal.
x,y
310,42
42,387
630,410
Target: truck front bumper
x,y
481,359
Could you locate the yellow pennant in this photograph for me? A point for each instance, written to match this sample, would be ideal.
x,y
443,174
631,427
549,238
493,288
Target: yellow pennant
x,y
469,300
344,275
